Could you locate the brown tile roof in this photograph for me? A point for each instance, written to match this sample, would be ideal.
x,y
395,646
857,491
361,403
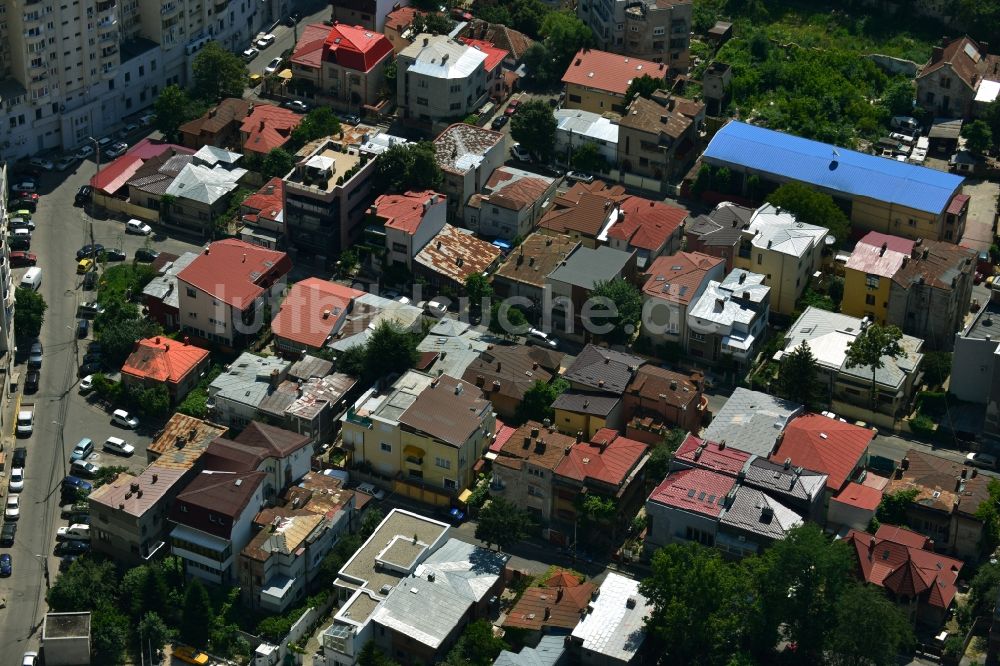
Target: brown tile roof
x,y
603,369
450,410
230,110
586,403
609,458
512,193
584,208
508,371
460,140
541,446
182,441
936,264
609,72
278,442
544,608
935,477
225,455
282,531
507,39
456,254
212,502
678,277
969,61
645,115
673,388
120,495
536,257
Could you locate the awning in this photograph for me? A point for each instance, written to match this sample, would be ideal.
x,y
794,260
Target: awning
x,y
464,496
285,74
415,451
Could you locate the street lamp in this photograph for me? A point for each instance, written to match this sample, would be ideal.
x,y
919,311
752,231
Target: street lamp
x,y
45,567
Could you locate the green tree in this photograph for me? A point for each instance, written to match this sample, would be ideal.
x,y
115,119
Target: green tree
x,y
477,646
536,405
317,124
29,312
659,458
989,514
173,107
218,74
564,35
433,23
83,586
479,291
871,348
587,158
109,634
813,207
403,167
538,63
348,261
502,523
119,326
370,523
153,634
389,349
516,323
898,98
152,401
598,509
701,604
893,507
534,127
198,616
797,378
983,590
277,163
372,656
643,86
978,136
937,368
868,629
616,303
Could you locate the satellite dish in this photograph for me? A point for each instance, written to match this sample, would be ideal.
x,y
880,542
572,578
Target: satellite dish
x,y
829,240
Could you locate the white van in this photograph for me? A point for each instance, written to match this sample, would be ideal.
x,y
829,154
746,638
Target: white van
x,y
32,278
74,532
125,420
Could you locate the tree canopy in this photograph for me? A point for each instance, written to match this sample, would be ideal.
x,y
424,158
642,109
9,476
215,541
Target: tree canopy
x,y
174,107
643,86
318,123
797,379
433,23
813,207
277,163
534,127
564,35
588,159
478,290
29,312
407,167
119,326
618,304
978,136
507,321
536,405
388,349
502,523
872,347
218,74
523,15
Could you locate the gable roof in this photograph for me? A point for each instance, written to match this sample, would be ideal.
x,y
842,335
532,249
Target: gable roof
x,y
595,404
309,49
268,127
714,456
787,157
229,110
312,311
723,227
678,278
449,409
936,264
234,271
603,369
182,441
608,458
934,479
442,57
534,443
967,58
506,370
278,442
536,257
586,208
646,224
827,445
615,625
660,385
213,501
752,421
585,267
406,211
511,188
267,203
609,72
880,254
163,360
355,47
696,490
859,496
648,116
563,606
751,510
494,55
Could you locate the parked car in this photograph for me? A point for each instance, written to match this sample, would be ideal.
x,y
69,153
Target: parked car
x,y
138,227
31,381
512,107
83,195
82,449
35,355
518,152
82,328
65,162
499,122
116,150
435,308
84,469
27,200
579,177
16,483
273,66
6,565
85,151
90,281
87,384
84,266
19,242
119,446
75,532
41,163
146,255
113,254
984,460
125,420
67,510
250,53
104,142
351,119
72,547
263,41
72,483
906,123
22,259
13,508
22,223
296,106
90,368
24,186
25,421
369,489
7,534
540,338
20,457
189,655
89,309
131,127
89,250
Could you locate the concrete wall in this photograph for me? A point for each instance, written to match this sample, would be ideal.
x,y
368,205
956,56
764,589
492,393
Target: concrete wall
x,y
973,361
592,99
892,65
668,525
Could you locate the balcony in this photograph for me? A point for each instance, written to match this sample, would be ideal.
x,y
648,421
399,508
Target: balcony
x,y
108,38
105,6
169,8
108,22
219,5
412,460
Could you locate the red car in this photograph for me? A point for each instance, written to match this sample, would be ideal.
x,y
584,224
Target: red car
x,y
20,259
512,107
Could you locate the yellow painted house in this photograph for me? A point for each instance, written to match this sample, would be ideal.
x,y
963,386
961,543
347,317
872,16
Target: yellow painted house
x,y
868,275
427,431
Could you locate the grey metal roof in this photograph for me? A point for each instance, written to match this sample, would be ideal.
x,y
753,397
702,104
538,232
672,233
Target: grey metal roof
x,y
731,301
469,570
457,344
310,366
603,369
247,381
750,421
422,611
794,483
828,335
723,226
199,183
550,651
612,628
211,155
753,511
164,287
585,267
985,324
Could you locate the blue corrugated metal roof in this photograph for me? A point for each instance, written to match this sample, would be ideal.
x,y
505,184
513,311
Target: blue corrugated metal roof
x,y
851,172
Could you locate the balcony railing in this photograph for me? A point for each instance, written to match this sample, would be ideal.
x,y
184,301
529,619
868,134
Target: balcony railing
x,y
107,22
413,460
106,5
168,8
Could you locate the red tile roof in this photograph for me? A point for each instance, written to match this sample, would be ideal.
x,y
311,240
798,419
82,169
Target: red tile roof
x,y
678,277
550,608
405,211
356,47
312,311
266,203
309,49
608,458
713,455
150,148
859,496
163,360
113,177
695,490
826,445
957,204
268,127
234,271
646,224
901,561
880,254
609,71
401,18
503,434
494,55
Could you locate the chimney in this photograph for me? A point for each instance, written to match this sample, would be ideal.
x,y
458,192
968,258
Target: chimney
x,y
673,384
937,53
904,464
527,443
540,446
326,314
534,432
499,365
559,594
788,463
156,477
579,437
975,472
958,484
261,126
881,252
548,612
244,258
157,339
722,445
427,41
275,378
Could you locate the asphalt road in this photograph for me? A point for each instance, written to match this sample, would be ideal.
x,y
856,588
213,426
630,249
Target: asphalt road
x,y
62,416
285,36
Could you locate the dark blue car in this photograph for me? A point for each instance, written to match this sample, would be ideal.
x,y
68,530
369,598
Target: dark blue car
x,y
76,483
6,565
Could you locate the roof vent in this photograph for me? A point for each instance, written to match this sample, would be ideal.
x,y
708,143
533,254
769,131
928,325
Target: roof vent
x,y
630,602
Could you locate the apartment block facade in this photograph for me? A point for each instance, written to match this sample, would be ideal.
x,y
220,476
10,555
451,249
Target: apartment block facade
x,y
657,30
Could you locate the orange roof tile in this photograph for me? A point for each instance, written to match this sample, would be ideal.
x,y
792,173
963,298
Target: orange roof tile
x,y
859,496
355,47
266,203
826,445
268,127
494,55
163,360
609,71
608,458
646,224
233,271
678,277
401,18
548,608
312,311
309,49
695,490
405,211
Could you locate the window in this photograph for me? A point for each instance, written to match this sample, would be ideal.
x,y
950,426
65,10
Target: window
x,y
659,30
871,281
443,463
422,101
760,259
930,98
535,492
575,98
698,337
455,88
869,299
386,447
192,293
455,106
946,82
450,484
537,472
